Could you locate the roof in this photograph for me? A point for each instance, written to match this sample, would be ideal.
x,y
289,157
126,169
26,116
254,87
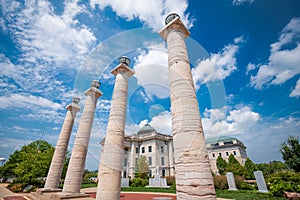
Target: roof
x,y
219,139
146,129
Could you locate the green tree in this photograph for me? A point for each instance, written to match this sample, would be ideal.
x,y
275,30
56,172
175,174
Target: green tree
x,y
290,151
142,168
250,167
234,166
221,165
272,167
32,161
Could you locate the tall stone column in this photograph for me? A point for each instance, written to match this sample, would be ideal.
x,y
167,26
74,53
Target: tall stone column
x,y
77,161
112,156
171,157
59,155
192,170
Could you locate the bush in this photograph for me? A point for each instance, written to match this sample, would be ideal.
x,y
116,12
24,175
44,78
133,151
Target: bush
x,y
139,182
283,182
220,182
170,180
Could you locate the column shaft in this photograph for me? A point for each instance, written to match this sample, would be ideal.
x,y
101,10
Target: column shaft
x,y
59,155
77,161
112,157
192,169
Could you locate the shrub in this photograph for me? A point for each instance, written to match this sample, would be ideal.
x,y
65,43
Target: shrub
x,y
170,180
220,182
283,182
139,182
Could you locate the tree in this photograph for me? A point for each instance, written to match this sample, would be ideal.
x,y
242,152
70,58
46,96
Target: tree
x,y
142,168
234,166
290,151
32,161
221,165
250,167
272,167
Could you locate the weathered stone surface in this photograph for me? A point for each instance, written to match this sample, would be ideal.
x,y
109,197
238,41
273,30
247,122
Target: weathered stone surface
x,y
59,155
77,161
192,170
112,155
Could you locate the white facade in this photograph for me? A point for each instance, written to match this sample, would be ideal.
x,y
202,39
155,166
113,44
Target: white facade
x,y
158,149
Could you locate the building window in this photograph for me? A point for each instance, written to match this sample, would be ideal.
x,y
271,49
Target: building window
x,y
215,145
150,173
162,161
234,153
163,172
150,161
213,155
124,174
136,160
143,149
227,154
220,154
137,150
150,149
125,162
229,142
162,149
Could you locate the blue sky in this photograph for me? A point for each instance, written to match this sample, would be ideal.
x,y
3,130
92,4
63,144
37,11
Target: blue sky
x,y
244,54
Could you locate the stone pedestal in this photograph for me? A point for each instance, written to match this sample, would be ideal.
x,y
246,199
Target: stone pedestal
x,y
192,169
59,155
77,161
260,180
231,181
112,156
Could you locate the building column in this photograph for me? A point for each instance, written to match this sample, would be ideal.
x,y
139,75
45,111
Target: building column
x,y
77,161
110,167
132,160
171,157
59,155
192,171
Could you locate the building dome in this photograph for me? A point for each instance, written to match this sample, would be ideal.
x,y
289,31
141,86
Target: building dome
x,y
146,129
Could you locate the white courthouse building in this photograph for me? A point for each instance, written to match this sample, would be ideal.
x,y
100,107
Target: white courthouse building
x,y
158,149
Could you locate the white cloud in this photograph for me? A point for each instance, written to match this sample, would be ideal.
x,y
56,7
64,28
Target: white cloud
x,y
151,71
27,102
238,121
162,123
296,90
240,2
283,62
219,66
152,13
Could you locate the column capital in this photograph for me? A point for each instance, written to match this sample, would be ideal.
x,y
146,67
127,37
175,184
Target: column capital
x,y
74,105
174,25
122,69
93,90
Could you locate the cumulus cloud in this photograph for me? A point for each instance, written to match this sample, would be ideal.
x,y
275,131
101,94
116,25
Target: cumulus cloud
x,y
151,71
152,13
237,121
284,59
219,66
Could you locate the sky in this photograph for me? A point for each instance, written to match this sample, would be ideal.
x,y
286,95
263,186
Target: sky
x,y
244,57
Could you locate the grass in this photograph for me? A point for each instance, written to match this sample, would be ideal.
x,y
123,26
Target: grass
x,y
246,195
148,189
238,195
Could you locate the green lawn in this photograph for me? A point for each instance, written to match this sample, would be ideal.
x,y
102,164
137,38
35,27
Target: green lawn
x,y
246,195
238,195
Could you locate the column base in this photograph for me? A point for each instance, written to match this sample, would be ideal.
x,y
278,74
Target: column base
x,y
56,194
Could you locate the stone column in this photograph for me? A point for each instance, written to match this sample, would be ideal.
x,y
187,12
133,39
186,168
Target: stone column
x,y
112,157
192,170
171,157
77,161
59,155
